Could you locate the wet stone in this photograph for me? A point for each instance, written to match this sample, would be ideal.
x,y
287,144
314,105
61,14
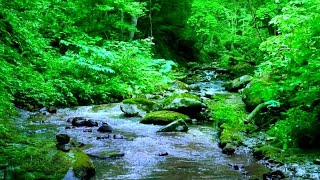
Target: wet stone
x,y
64,147
274,175
63,138
229,149
317,162
163,154
80,121
118,136
87,130
105,128
103,137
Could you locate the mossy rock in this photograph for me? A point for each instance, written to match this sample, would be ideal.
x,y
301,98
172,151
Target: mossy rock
x,y
231,134
242,69
47,163
185,103
227,108
83,167
142,103
163,117
180,85
238,83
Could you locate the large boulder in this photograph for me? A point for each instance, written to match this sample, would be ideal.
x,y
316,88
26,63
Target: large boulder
x,y
188,104
241,69
130,110
83,167
238,83
176,126
163,117
63,138
105,128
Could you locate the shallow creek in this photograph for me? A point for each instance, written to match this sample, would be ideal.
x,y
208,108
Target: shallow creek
x,y
191,155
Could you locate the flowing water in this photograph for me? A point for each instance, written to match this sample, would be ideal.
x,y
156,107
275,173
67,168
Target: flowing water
x,y
143,153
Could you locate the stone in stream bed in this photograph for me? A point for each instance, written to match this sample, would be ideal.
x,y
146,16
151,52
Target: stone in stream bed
x,y
106,154
176,126
63,138
130,110
238,83
48,110
105,128
163,154
275,175
185,103
118,136
229,149
163,117
81,121
316,161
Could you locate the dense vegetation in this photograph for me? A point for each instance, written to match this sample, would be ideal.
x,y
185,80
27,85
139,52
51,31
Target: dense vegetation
x,y
67,53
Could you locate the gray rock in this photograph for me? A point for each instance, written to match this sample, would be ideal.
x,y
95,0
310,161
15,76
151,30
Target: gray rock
x,y
316,161
273,175
239,83
63,138
129,110
176,126
64,147
80,121
105,128
188,104
229,149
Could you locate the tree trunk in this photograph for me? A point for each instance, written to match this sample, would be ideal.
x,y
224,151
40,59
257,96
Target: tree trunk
x,y
134,23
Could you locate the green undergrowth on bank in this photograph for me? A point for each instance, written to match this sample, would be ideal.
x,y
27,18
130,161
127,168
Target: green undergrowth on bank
x,y
227,112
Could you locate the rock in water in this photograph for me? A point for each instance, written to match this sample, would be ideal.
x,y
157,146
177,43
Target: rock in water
x,y
129,110
80,121
52,109
163,154
317,162
91,123
239,83
176,126
63,138
163,117
105,128
188,104
274,175
229,149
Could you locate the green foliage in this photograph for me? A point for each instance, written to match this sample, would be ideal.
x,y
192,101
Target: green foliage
x,y
225,31
67,53
288,131
292,60
227,109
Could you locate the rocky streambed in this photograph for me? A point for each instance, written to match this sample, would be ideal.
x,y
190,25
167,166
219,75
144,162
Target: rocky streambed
x,y
124,148
137,151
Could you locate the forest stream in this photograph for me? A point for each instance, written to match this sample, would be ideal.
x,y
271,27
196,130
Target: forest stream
x,y
136,151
